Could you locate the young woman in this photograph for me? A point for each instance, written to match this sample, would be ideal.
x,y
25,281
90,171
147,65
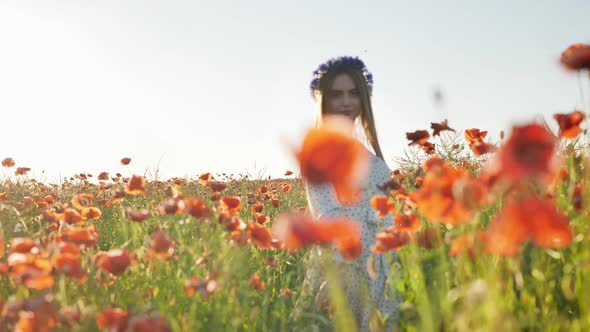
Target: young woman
x,y
343,86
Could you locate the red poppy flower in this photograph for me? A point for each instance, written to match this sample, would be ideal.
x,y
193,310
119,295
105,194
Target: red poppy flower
x,y
275,202
72,216
261,218
390,239
257,208
115,261
70,265
196,207
428,148
329,155
256,282
8,162
263,189
471,243
113,319
530,218
408,223
145,323
438,127
137,215
85,236
232,204
576,57
136,186
21,170
383,205
569,124
259,235
418,137
481,148
125,161
288,172
528,152
161,244
103,176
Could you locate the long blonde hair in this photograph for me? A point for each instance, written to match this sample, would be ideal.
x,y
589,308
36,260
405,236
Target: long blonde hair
x,y
366,116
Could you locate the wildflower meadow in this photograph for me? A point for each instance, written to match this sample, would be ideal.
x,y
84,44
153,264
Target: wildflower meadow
x,y
492,233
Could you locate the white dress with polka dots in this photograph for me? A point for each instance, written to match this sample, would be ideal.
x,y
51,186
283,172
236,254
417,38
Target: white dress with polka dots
x,y
368,273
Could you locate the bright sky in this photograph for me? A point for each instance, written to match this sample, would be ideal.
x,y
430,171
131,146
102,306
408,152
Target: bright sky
x,y
189,87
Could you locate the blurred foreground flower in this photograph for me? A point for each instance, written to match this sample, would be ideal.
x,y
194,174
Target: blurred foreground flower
x,y
330,154
530,218
298,231
576,57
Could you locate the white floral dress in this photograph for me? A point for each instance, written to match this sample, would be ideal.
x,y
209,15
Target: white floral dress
x,y
368,274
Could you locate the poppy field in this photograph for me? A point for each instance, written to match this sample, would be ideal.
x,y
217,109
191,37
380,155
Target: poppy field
x,y
491,233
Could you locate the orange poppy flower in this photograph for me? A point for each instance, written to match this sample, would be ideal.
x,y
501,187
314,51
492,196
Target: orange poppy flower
x,y
329,155
261,218
32,315
136,185
137,215
256,282
91,213
82,236
418,137
257,208
531,218
448,195
438,127
143,323
21,170
471,243
22,245
8,162
263,189
350,247
528,152
474,135
72,216
113,319
162,245
286,187
383,205
408,223
196,207
37,274
390,239
205,178
569,124
114,261
285,292
103,176
259,235
232,204
288,172
125,161
576,57
481,148
70,265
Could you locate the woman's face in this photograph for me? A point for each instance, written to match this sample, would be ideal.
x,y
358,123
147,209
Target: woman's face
x,y
343,98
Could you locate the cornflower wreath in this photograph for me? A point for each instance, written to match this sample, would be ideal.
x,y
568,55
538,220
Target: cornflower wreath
x,y
341,63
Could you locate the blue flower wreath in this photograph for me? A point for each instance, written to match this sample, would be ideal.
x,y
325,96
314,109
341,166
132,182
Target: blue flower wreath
x,y
341,63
